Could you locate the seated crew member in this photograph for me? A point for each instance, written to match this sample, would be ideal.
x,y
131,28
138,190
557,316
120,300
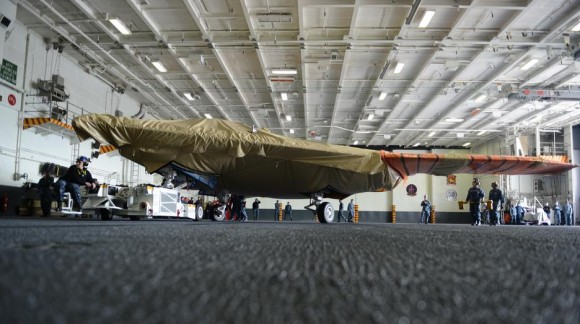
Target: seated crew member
x,y
75,177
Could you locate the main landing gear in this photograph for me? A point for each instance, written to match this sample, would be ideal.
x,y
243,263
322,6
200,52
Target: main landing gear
x,y
323,210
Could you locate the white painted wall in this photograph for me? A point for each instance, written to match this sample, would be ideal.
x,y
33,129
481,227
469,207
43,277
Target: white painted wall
x,y
88,94
8,10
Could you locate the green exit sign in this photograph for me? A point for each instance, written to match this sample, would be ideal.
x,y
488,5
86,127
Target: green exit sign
x,y
8,71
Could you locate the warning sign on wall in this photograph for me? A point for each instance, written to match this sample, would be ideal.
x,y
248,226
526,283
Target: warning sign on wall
x,y
8,71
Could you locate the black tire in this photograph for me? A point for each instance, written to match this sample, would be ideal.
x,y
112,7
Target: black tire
x,y
325,213
106,215
134,218
216,215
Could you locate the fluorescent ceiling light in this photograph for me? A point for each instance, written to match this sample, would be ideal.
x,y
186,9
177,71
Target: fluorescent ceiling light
x,y
466,144
274,17
288,118
481,98
371,116
188,96
284,96
383,95
159,66
426,18
481,133
399,68
576,28
432,133
387,136
531,63
454,120
284,72
208,116
120,26
355,143
417,144
291,130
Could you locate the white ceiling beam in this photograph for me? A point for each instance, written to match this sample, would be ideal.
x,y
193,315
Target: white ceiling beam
x,y
261,59
458,103
196,15
302,34
122,75
558,29
146,17
344,69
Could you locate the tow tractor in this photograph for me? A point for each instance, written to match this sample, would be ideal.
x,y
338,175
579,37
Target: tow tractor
x,y
141,201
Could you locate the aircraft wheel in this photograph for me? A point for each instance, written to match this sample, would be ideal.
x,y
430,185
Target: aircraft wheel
x,y
216,214
106,214
325,213
198,213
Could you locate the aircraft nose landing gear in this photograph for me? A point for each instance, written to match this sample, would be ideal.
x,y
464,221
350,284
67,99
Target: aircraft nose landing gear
x,y
323,210
325,213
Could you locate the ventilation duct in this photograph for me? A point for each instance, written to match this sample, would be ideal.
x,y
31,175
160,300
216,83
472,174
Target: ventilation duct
x,y
140,114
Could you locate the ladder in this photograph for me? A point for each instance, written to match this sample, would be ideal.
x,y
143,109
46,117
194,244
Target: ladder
x,y
134,173
74,152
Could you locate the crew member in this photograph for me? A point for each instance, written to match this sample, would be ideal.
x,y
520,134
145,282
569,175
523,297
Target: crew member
x,y
425,210
256,209
557,213
568,211
288,211
243,217
350,209
474,197
277,207
45,192
76,176
341,211
520,213
547,210
496,197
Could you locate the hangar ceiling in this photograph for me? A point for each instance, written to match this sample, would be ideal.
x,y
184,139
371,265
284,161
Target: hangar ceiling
x,y
348,72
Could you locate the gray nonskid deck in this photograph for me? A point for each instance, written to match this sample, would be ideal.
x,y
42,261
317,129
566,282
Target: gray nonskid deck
x,y
170,271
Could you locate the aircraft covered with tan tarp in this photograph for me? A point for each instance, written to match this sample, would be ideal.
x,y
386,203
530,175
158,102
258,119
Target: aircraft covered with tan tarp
x,y
225,156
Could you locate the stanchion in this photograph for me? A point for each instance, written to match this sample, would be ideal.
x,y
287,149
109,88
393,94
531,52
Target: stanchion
x,y
356,213
394,217
432,214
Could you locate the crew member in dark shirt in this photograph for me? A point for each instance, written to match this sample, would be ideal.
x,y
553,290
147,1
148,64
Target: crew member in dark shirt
x,y
75,177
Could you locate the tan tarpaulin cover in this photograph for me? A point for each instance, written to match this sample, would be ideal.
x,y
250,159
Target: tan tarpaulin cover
x,y
266,164
260,163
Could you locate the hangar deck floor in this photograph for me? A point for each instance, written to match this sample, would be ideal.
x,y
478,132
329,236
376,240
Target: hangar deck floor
x,y
171,271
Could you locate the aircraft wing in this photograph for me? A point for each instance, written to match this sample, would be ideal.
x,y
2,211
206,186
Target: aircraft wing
x,y
225,156
443,164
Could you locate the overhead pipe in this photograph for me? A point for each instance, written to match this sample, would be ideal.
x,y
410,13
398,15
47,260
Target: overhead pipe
x,y
141,113
89,12
155,30
32,10
413,12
